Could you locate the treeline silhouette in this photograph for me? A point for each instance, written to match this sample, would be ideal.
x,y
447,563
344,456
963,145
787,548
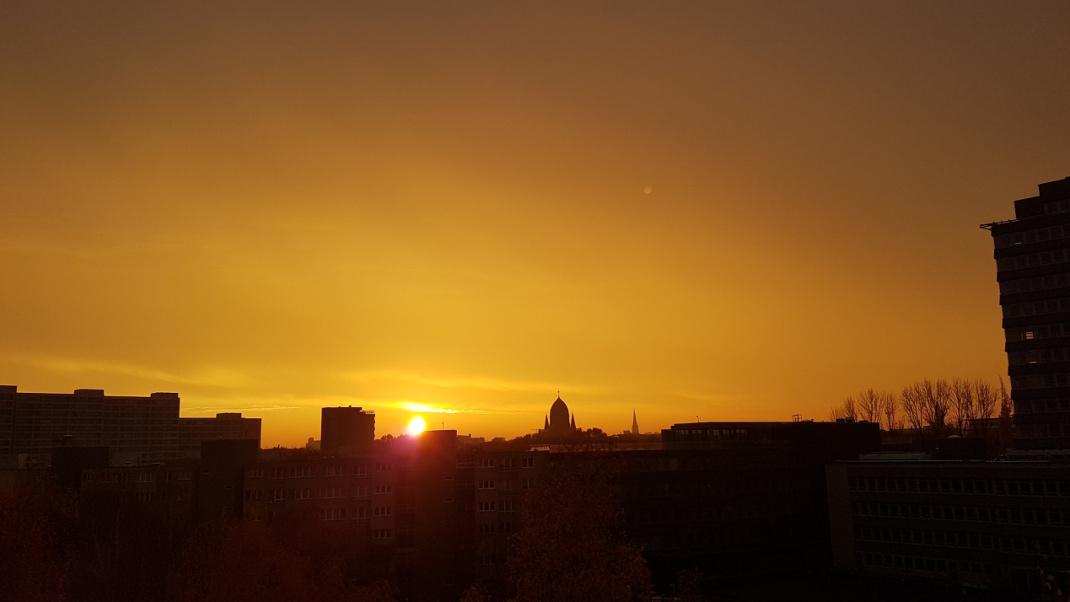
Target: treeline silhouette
x,y
958,406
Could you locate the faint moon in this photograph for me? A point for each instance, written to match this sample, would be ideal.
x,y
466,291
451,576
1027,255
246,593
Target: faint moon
x,y
648,189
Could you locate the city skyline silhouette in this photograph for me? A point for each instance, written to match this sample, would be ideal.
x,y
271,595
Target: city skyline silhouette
x,y
475,301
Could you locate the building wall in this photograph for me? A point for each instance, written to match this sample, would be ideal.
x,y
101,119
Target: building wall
x,y
401,499
1032,255
346,430
996,525
135,429
224,426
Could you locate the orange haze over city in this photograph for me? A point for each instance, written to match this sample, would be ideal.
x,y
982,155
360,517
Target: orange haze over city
x,y
737,211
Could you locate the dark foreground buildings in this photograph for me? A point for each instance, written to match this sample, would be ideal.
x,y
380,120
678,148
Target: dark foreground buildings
x,y
722,500
718,501
1001,527
998,529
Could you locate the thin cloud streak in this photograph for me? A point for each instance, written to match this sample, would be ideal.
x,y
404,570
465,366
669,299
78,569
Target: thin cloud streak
x,y
212,377
479,382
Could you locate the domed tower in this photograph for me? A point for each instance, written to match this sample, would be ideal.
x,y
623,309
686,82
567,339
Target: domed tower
x,y
559,418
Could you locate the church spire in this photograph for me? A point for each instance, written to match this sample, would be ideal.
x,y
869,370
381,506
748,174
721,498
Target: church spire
x,y
545,423
635,423
573,421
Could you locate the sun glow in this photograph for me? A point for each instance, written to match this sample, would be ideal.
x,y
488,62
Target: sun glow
x,y
416,426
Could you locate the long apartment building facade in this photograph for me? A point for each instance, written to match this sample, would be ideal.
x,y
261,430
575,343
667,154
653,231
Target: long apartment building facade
x,y
997,525
134,429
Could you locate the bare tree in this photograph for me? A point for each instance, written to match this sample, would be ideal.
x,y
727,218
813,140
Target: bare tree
x,y
871,405
937,403
1004,416
848,410
913,401
962,401
984,400
891,408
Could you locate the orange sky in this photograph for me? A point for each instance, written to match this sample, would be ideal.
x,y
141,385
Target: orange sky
x,y
728,211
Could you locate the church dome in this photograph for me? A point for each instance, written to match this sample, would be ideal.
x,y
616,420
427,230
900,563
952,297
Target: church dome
x,y
559,417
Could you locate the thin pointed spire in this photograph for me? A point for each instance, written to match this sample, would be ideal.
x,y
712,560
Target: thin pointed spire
x,y
546,422
573,421
635,423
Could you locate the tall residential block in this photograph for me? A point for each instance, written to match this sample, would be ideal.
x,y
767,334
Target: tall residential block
x,y
1032,253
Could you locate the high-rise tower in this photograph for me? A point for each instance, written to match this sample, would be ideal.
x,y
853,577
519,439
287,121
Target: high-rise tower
x,y
1032,254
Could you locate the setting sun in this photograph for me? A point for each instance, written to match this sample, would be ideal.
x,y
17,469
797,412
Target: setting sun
x,y
416,426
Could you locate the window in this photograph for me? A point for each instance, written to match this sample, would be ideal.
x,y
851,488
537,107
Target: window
x,y
334,514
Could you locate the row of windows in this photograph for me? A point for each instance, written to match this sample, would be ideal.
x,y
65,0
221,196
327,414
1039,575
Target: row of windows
x,y
961,486
506,484
1039,356
1036,283
126,476
1055,207
1033,260
382,534
1044,331
492,506
987,514
279,494
1047,429
334,513
917,563
306,471
961,539
382,511
1036,308
1040,381
1036,406
327,514
506,462
1014,239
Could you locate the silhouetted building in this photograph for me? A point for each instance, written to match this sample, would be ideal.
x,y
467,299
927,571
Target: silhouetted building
x,y
113,492
221,478
635,424
346,430
1032,253
1001,526
229,426
499,481
559,422
136,430
833,440
399,498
